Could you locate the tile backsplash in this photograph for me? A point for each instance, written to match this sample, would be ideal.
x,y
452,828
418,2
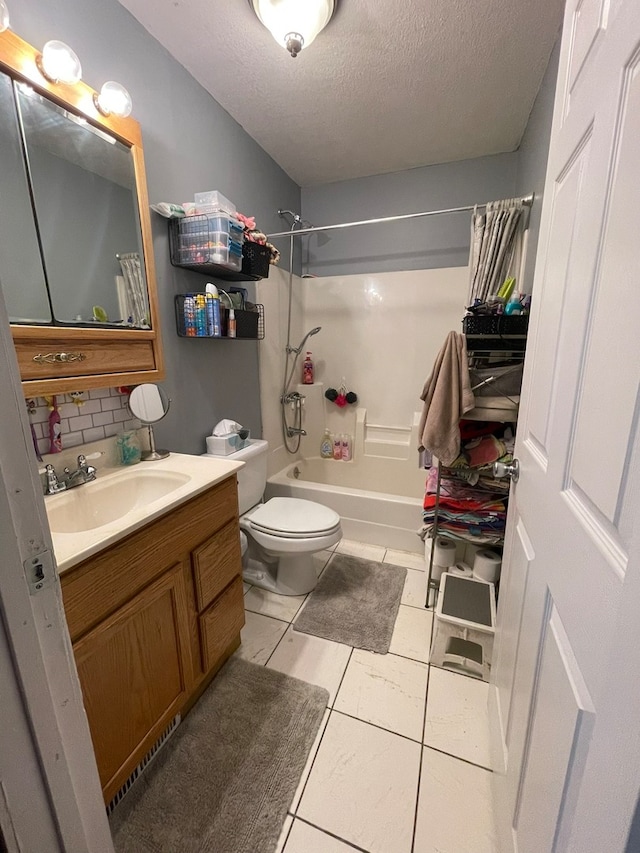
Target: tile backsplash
x,y
99,413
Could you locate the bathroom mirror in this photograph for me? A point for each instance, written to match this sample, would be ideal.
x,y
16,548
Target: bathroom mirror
x,y
75,190
149,403
76,251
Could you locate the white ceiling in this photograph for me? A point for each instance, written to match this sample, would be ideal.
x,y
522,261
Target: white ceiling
x,y
388,85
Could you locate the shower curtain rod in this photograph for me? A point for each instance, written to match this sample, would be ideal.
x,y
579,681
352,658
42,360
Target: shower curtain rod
x,y
527,200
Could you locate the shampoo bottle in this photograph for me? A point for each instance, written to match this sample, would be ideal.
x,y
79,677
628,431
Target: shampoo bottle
x,y
346,447
307,370
326,445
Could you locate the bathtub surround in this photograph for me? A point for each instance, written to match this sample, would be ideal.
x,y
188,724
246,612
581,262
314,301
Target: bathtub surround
x,y
222,782
356,603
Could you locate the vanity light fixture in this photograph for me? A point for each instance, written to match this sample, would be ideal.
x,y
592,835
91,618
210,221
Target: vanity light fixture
x,y
113,100
294,23
58,63
4,16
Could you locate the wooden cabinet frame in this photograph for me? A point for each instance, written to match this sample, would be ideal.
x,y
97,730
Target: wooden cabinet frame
x,y
110,357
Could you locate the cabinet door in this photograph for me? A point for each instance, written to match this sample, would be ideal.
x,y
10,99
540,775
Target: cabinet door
x,y
134,670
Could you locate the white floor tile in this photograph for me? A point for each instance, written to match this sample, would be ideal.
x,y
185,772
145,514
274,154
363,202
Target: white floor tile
x,y
282,607
246,587
259,637
454,808
308,839
284,834
386,690
312,659
412,633
414,593
361,549
363,786
407,559
307,767
320,560
457,716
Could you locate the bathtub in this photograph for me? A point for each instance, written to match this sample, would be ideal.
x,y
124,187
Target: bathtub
x,y
378,499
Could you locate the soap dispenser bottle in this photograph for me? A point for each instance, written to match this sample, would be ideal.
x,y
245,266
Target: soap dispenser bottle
x,y
307,370
326,445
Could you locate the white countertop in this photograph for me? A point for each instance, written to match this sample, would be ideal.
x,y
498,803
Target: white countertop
x,y
202,471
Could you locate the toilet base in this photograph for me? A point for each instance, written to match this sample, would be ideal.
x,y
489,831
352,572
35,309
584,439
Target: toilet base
x,y
295,575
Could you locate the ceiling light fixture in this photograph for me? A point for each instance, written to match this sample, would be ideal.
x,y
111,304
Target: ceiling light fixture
x,y
294,23
4,16
58,63
113,100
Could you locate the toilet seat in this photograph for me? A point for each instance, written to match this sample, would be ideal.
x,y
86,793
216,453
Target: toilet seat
x,y
293,518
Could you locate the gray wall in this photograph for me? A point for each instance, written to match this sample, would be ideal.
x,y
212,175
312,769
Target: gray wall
x,y
430,243
190,144
532,157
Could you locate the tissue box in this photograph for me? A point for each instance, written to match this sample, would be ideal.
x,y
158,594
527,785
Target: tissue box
x,y
223,445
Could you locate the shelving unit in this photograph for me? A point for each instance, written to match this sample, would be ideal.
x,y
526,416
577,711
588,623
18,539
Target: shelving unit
x,y
249,324
487,337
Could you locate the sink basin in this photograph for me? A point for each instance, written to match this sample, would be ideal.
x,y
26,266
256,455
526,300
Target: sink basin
x,y
106,500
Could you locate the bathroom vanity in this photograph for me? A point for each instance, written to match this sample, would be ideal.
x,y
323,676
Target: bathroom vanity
x,y
153,616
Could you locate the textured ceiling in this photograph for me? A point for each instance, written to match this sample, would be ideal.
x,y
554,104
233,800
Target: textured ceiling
x,y
388,85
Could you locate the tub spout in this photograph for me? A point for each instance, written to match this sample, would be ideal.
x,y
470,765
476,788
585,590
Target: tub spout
x,y
291,431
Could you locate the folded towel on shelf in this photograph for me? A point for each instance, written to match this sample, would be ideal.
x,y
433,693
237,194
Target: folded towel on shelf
x,y
447,396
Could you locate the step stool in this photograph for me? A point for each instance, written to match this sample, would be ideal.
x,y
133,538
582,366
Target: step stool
x,y
465,622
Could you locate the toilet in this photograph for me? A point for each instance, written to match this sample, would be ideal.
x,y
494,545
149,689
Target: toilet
x,y
279,537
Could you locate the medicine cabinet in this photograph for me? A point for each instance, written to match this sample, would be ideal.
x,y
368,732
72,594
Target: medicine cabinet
x,y
76,261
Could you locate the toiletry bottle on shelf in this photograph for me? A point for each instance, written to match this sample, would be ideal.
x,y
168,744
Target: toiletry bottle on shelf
x,y
231,324
189,316
337,446
201,316
346,447
307,370
215,329
513,306
326,445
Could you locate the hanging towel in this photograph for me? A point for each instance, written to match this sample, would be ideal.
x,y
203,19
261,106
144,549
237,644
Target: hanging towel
x,y
447,396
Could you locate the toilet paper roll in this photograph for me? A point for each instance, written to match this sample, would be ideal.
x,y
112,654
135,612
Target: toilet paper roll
x,y
437,572
462,570
486,566
444,552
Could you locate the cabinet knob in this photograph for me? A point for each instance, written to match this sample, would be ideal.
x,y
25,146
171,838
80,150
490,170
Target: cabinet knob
x,y
59,357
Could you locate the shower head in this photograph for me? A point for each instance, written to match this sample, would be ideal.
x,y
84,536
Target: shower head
x,y
298,349
296,220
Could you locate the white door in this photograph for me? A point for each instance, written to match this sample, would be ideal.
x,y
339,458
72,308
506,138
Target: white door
x,y
566,694
50,797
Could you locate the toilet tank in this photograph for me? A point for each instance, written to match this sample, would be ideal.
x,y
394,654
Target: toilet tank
x,y
252,478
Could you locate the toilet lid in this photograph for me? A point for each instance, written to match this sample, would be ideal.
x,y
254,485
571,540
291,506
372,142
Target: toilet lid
x,y
294,517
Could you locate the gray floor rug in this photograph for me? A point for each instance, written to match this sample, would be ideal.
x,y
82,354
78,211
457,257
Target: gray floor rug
x,y
356,602
225,780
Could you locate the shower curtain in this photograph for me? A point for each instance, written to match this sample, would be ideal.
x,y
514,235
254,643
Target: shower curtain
x,y
496,246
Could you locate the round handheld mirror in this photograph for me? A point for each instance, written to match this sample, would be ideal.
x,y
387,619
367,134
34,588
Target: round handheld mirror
x,y
150,404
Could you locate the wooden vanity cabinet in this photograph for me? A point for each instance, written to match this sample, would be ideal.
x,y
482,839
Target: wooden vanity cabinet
x,y
152,619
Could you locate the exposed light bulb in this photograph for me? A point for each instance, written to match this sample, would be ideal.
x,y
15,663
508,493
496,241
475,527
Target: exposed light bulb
x,y
294,24
4,16
59,64
113,100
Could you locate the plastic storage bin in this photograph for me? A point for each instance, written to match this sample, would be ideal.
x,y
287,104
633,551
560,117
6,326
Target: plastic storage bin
x,y
215,200
209,239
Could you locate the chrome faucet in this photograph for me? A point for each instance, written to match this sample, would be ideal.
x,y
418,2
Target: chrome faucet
x,y
84,473
291,431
